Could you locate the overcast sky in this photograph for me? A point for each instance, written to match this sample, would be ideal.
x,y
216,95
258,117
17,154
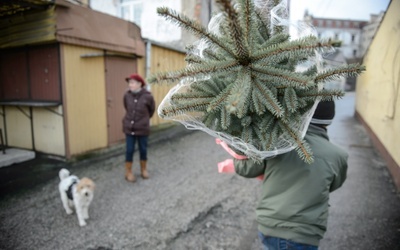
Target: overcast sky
x,y
340,9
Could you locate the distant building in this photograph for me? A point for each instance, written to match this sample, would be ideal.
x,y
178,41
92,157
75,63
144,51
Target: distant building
x,y
355,35
345,30
154,27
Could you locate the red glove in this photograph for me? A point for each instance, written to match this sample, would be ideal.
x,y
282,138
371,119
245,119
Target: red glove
x,y
227,165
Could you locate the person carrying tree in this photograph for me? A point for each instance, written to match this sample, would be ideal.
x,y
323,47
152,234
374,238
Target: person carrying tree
x,y
293,210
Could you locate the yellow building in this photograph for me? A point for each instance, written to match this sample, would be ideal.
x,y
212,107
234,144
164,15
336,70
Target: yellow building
x,y
62,76
378,90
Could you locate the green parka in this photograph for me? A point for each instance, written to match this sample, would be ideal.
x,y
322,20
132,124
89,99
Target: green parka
x,y
294,201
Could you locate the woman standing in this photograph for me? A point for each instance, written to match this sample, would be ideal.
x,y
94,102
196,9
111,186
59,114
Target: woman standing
x,y
139,106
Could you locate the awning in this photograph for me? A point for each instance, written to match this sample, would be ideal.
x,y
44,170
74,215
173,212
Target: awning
x,y
29,22
13,7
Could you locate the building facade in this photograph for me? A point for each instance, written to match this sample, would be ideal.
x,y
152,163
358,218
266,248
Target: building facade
x,y
349,32
60,80
378,90
154,27
62,75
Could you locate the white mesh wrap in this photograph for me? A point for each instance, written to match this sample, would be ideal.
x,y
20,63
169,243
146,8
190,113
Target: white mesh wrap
x,y
278,17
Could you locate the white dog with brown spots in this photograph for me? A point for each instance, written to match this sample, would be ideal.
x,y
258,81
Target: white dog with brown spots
x,y
76,193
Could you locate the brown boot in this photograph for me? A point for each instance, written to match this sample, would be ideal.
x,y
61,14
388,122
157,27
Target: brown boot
x,y
143,169
128,172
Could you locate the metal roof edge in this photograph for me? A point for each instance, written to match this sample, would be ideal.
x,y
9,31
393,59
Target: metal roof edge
x,y
164,45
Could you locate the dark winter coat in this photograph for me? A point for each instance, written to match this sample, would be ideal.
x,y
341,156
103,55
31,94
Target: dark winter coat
x,y
139,109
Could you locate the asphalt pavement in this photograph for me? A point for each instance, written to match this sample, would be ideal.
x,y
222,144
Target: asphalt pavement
x,y
24,176
364,213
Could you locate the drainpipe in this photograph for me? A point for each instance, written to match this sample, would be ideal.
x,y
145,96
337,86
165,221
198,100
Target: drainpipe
x,y
148,61
209,10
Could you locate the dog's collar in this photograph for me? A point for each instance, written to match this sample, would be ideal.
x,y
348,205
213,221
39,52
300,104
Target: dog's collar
x,y
69,190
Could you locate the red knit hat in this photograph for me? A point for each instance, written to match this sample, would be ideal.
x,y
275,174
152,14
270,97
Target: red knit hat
x,y
137,78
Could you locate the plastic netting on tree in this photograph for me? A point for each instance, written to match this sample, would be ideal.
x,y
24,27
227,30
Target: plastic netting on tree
x,y
247,83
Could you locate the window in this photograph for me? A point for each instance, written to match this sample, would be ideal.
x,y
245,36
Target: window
x,y
353,38
354,52
132,11
336,36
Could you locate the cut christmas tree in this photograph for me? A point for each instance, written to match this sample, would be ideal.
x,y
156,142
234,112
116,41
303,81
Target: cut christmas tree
x,y
242,82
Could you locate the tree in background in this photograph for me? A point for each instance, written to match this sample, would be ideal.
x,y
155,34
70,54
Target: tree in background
x,y
242,82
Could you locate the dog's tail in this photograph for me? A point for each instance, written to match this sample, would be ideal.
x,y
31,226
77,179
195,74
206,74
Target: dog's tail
x,y
63,174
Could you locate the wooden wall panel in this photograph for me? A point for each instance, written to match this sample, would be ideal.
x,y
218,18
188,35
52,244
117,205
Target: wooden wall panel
x,y
163,59
19,132
13,75
48,128
44,71
117,69
85,99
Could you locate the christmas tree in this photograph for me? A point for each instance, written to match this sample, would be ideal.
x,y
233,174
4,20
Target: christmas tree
x,y
242,82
